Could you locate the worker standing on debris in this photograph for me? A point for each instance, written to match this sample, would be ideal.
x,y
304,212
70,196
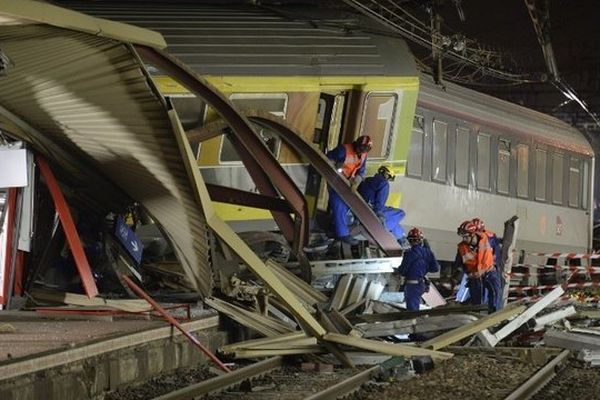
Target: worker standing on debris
x,y
496,250
416,263
349,160
375,190
493,239
475,255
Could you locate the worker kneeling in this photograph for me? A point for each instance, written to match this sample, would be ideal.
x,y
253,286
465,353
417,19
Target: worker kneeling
x,y
416,263
375,191
477,258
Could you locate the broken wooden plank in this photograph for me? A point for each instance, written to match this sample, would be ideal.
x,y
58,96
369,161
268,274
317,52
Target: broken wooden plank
x,y
82,300
472,328
571,341
523,317
405,314
357,292
547,319
286,337
302,289
341,292
260,323
393,349
416,325
509,241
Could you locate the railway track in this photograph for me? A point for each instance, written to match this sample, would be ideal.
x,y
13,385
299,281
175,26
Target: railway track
x,y
272,379
540,379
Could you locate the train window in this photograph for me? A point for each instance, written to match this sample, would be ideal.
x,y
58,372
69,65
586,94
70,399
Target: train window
x,y
461,173
414,166
191,111
523,170
483,161
585,181
378,121
440,144
503,183
276,104
557,178
574,181
540,174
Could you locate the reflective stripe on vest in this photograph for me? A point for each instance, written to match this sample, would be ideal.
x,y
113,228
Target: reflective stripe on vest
x,y
352,162
479,260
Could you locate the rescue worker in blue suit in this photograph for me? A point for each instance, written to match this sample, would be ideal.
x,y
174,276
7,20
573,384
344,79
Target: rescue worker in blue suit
x,y
375,190
416,263
476,257
350,160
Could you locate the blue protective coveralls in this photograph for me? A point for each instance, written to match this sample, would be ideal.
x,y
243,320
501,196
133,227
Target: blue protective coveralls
x,y
496,249
375,191
416,263
352,165
478,261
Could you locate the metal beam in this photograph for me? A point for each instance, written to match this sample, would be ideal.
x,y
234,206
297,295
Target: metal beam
x,y
242,131
229,195
317,159
474,327
62,208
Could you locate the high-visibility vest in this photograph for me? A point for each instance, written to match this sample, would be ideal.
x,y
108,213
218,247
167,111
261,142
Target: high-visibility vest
x,y
352,162
478,258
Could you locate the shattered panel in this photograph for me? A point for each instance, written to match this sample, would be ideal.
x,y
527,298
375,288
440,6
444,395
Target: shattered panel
x,y
87,102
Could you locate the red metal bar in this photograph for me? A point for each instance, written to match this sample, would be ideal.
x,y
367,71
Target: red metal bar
x,y
18,285
11,204
137,290
64,214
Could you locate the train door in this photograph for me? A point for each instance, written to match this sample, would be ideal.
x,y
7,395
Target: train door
x,y
326,136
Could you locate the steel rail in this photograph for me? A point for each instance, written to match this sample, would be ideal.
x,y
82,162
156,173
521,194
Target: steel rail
x,y
538,380
346,386
224,381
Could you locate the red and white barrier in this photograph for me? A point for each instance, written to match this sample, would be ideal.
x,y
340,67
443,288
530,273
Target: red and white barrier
x,y
582,285
591,256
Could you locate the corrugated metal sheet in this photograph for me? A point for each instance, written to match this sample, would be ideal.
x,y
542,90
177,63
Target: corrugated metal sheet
x,y
84,100
235,40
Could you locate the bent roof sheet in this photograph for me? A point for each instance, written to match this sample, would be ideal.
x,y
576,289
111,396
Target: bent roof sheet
x,y
238,40
18,12
84,100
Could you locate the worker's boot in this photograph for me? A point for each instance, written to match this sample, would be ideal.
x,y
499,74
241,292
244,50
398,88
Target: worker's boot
x,y
349,239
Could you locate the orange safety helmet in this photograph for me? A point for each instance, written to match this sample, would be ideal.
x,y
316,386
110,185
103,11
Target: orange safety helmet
x,y
479,224
466,227
414,236
363,144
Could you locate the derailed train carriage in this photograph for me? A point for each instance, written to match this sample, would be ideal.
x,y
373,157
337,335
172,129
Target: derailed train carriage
x,y
458,153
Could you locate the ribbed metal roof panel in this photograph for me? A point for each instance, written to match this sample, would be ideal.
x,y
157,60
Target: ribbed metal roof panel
x,y
89,97
235,40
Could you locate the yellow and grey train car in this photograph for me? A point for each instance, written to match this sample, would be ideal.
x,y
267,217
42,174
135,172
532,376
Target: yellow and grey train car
x,y
468,154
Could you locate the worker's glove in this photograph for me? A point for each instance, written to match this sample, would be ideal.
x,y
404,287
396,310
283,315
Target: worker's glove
x,y
355,182
426,284
338,166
